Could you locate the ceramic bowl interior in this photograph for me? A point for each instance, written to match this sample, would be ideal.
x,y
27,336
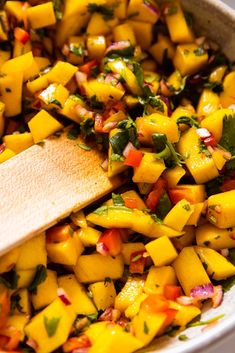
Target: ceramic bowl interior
x,y
216,21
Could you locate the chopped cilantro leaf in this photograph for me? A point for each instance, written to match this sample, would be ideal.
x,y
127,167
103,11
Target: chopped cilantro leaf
x,y
51,325
15,303
40,277
183,338
77,50
73,133
58,9
117,200
228,138
146,328
199,51
107,12
10,279
84,147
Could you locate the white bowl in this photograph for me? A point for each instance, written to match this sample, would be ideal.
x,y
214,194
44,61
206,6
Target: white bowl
x,y
216,21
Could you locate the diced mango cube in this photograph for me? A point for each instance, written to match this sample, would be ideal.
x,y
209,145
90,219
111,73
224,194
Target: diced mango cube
x,y
149,170
131,290
128,249
46,291
89,236
215,238
185,314
162,251
61,73
221,209
41,16
18,142
157,278
103,294
182,212
189,59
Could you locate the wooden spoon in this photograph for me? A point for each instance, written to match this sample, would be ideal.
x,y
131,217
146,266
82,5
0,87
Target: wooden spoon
x,y
45,183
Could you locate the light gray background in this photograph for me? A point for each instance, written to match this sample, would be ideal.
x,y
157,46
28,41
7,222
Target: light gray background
x,y
229,346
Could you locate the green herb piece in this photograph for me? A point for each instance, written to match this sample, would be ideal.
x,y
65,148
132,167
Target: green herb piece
x,y
205,265
183,338
206,243
15,303
136,258
157,103
41,143
77,50
8,90
84,147
216,87
231,256
186,207
87,127
107,12
203,149
146,329
189,18
58,9
172,330
73,133
94,71
116,158
190,121
127,51
227,284
108,280
10,279
160,141
133,14
95,104
92,317
202,323
117,200
40,277
56,102
119,141
228,138
163,206
51,325
101,210
156,218
199,51
171,10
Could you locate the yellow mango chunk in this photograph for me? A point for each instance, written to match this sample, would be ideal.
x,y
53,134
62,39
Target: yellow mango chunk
x,y
149,170
50,336
79,219
41,16
209,103
120,67
219,159
217,266
163,47
32,253
42,125
128,249
46,291
143,33
61,73
69,108
88,236
103,294
215,238
227,97
134,308
173,176
38,84
18,142
124,32
189,59
147,325
214,122
65,252
11,91
182,111
42,62
2,118
195,216
95,267
187,239
55,95
199,164
97,25
141,12
8,260
189,270
131,290
221,209
80,301
15,9
96,46
25,64
76,46
103,92
94,331
156,123
158,277
161,251
185,314
182,212
6,154
114,339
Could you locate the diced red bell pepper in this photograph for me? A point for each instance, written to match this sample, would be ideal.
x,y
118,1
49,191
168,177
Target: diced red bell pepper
x,y
155,195
74,343
112,241
178,194
99,123
125,234
228,185
170,317
137,262
5,307
210,141
21,35
86,68
155,303
131,202
172,292
58,234
134,158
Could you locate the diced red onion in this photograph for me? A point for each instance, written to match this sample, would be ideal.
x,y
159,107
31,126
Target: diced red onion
x,y
195,79
2,148
63,296
224,252
107,315
109,126
232,106
167,101
105,164
102,249
129,147
203,133
151,7
65,50
184,300
200,40
218,296
32,343
83,112
121,45
202,292
80,77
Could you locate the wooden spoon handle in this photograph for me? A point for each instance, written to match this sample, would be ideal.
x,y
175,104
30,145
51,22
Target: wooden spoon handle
x,y
44,184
